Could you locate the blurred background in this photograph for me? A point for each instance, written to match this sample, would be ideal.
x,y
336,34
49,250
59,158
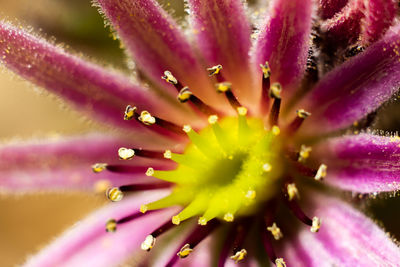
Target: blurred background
x,y
29,222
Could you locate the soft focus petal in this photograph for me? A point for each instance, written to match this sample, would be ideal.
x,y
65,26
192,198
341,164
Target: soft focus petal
x,y
362,163
223,35
156,44
66,164
89,244
284,42
379,17
328,8
346,238
97,91
356,88
345,27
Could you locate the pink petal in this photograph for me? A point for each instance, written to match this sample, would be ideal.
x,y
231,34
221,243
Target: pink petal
x,y
88,243
328,8
102,93
284,42
379,17
346,238
66,164
223,36
356,88
156,44
362,163
345,27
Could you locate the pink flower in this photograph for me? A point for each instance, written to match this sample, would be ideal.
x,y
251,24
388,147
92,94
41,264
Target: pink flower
x,y
242,130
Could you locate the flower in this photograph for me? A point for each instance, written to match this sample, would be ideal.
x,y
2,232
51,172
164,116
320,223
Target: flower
x,y
250,137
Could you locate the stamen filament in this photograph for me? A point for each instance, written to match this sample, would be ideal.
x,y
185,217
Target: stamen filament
x,y
297,122
266,83
144,186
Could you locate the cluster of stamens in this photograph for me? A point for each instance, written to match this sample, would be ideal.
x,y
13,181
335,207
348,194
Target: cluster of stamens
x,y
232,170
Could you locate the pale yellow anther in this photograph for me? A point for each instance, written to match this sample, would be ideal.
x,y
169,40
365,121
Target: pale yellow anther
x,y
292,191
184,95
111,225
148,243
301,113
279,262
187,128
267,167
239,256
114,194
275,90
304,153
143,208
202,221
150,171
275,130
126,153
250,194
223,87
185,251
266,70
168,154
168,77
99,167
275,231
146,118
213,119
316,224
214,70
321,173
229,217
242,111
176,220
129,112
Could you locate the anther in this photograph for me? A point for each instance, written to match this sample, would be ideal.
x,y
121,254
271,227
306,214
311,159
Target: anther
x,y
99,167
146,118
129,112
111,225
242,111
184,251
223,87
168,154
304,153
202,221
279,262
267,167
150,171
168,77
276,130
148,243
214,70
275,231
229,217
275,94
176,220
114,194
126,153
266,70
213,119
275,91
316,224
321,173
292,191
298,121
143,208
250,194
187,128
184,95
239,256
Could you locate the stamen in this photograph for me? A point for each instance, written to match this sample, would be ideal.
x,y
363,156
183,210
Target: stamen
x,y
129,153
297,122
240,234
114,194
214,70
99,167
275,231
275,93
146,118
321,173
168,77
193,240
150,240
184,94
292,191
111,225
304,153
266,83
279,262
268,246
297,211
144,186
239,256
129,112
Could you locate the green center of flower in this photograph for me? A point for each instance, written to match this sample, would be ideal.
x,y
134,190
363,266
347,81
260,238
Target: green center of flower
x,y
228,169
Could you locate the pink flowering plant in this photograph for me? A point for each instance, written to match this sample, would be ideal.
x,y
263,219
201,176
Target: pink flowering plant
x,y
233,143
